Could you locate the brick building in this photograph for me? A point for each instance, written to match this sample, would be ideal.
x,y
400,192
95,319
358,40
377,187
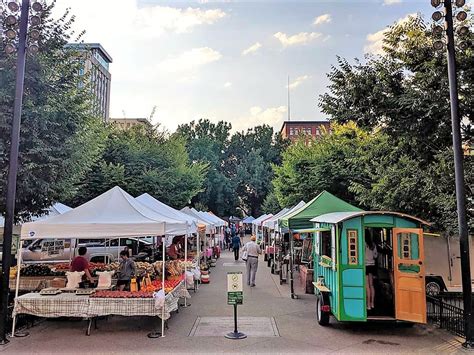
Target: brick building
x,y
293,129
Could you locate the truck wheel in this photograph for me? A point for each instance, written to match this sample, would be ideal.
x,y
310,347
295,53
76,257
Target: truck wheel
x,y
433,288
321,315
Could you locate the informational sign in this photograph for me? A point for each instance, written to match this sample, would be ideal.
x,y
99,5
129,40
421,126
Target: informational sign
x,y
235,288
52,247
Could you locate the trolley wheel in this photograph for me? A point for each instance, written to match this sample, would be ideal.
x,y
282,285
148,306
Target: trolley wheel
x,y
433,288
322,315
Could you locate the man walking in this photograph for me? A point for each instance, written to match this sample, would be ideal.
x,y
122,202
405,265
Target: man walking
x,y
253,251
236,246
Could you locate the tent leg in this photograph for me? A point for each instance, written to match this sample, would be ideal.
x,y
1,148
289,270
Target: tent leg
x,y
185,268
17,288
163,288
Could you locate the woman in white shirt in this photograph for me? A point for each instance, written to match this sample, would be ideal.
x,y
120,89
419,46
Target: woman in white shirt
x,y
370,270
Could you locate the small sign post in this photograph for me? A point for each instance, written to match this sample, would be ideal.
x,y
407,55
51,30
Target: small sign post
x,y
235,296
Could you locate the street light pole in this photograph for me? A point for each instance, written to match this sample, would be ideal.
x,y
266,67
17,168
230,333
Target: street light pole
x,y
12,172
459,179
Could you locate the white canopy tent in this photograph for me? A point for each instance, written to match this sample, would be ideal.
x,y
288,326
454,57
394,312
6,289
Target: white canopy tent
x,y
296,207
115,213
271,222
168,211
213,218
55,210
193,213
256,222
205,218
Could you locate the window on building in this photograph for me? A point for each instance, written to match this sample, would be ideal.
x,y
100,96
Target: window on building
x,y
292,131
297,131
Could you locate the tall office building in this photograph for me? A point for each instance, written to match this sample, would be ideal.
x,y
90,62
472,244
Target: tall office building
x,y
95,68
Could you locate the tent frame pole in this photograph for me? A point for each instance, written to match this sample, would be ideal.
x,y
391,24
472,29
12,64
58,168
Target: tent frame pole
x,y
18,269
186,266
163,287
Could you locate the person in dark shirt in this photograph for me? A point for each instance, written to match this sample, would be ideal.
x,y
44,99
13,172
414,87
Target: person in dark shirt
x,y
127,270
236,243
80,263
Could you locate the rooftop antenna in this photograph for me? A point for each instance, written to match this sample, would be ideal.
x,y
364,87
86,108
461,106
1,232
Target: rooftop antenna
x,y
288,86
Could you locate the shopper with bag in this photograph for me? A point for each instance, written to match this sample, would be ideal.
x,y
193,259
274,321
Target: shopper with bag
x,y
252,251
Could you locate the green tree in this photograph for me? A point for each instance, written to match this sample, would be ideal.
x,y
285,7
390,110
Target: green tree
x,y
404,93
271,204
59,140
249,163
207,143
144,160
325,164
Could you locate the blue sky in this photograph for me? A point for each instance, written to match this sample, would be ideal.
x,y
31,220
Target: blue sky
x,y
229,60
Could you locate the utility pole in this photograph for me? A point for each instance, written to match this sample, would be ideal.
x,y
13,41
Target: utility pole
x,y
12,172
449,42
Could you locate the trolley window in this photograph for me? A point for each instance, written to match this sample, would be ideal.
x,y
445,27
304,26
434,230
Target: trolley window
x,y
352,252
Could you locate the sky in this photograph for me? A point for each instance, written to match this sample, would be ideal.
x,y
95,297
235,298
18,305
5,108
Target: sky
x,y
230,60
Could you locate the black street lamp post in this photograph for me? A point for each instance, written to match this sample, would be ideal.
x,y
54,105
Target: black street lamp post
x,y
457,148
21,49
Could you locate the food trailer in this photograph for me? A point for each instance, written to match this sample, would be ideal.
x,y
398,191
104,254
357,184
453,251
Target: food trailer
x,y
340,268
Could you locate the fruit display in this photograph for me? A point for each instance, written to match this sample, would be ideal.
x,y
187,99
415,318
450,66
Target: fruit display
x,y
188,264
144,268
67,266
174,267
39,270
170,285
158,267
112,266
121,294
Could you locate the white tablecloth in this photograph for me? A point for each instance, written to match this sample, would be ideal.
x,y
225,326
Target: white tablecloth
x,y
71,305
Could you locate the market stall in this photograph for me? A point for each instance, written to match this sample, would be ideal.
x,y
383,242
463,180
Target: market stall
x,y
299,220
192,222
247,223
113,214
270,226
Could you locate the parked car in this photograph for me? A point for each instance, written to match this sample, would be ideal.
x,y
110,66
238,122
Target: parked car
x,y
97,250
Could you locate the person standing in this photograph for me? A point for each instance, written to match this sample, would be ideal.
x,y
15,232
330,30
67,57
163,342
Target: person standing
x,y
80,263
370,270
253,251
236,244
126,271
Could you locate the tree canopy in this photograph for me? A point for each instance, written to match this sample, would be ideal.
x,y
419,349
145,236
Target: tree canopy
x,y
240,173
60,140
144,160
390,145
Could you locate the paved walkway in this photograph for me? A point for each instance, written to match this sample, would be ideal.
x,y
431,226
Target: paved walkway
x,y
294,319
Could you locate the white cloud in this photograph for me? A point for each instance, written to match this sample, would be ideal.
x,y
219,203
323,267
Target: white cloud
x,y
227,85
272,116
375,40
300,38
298,81
189,60
326,18
176,20
391,2
252,49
